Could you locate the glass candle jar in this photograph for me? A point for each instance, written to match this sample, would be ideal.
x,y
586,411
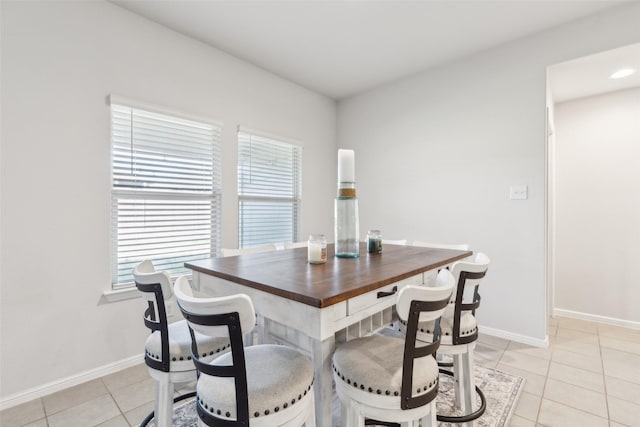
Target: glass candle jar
x,y
374,242
317,249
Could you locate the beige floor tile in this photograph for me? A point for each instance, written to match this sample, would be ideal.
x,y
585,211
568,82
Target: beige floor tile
x,y
620,364
132,375
622,389
517,421
119,421
576,397
528,406
533,383
528,363
615,424
186,388
134,395
553,321
40,423
624,412
573,335
622,345
22,414
493,341
553,414
487,362
136,415
553,329
575,346
543,353
87,414
619,332
577,325
487,355
74,396
589,362
576,376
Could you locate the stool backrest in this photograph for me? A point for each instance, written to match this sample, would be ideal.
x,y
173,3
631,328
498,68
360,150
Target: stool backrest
x,y
416,303
232,317
459,247
239,303
225,252
442,288
145,274
468,274
155,287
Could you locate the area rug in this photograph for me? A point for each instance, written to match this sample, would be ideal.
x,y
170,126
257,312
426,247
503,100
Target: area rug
x,y
501,390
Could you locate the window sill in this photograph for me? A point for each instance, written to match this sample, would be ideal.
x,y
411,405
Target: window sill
x,y
120,294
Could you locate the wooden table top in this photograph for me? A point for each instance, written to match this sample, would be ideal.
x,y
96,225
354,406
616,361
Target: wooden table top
x,y
287,273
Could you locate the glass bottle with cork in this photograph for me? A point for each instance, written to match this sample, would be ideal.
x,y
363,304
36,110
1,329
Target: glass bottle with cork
x,y
347,232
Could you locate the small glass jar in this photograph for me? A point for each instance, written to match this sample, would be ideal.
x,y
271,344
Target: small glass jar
x,y
374,242
317,249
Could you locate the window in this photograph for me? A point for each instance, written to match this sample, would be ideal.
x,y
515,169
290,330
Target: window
x,y
165,193
269,190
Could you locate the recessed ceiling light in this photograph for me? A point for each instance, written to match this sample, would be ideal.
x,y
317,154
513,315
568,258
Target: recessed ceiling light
x,y
625,72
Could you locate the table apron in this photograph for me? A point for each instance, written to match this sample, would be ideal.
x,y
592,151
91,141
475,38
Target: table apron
x,y
316,323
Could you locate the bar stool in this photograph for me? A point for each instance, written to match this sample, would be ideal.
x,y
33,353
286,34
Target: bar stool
x,y
167,349
225,252
262,385
459,332
384,380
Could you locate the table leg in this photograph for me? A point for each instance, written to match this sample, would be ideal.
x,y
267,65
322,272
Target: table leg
x,y
323,381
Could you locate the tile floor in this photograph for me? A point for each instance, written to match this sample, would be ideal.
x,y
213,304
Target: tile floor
x,y
589,376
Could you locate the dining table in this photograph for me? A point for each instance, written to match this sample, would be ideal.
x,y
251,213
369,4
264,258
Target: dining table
x,y
315,307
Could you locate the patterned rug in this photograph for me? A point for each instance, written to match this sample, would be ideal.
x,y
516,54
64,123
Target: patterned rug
x,y
501,390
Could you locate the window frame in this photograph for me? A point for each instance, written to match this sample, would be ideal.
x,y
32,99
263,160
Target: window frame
x,y
212,196
296,195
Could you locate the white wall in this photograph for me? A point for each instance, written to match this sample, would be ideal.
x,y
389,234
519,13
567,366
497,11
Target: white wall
x,y
60,60
598,205
437,152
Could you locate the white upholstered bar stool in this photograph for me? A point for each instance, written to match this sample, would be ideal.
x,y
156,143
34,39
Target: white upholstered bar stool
x,y
225,252
168,348
459,332
260,321
383,379
429,276
402,242
261,385
455,246
294,245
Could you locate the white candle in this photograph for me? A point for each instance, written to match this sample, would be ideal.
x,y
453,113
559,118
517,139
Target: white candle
x,y
316,253
346,166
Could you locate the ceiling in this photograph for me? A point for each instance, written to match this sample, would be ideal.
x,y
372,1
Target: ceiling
x,y
341,48
590,75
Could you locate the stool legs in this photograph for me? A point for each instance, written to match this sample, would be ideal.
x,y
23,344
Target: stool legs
x,y
464,382
164,402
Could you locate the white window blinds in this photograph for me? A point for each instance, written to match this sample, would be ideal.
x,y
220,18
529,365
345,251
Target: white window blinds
x,y
166,191
269,190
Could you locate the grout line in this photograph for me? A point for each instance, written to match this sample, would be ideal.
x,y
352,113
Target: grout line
x,y
604,381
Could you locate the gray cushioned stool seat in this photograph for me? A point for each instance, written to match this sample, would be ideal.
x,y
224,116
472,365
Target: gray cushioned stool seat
x,y
374,364
277,377
180,346
468,326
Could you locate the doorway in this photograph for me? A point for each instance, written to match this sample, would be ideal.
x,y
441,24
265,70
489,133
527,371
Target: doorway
x,y
593,205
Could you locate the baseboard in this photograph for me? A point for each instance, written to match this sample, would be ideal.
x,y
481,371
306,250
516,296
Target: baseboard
x,y
596,318
64,383
524,339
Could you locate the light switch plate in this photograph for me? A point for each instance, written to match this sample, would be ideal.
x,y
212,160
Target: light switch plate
x,y
518,192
